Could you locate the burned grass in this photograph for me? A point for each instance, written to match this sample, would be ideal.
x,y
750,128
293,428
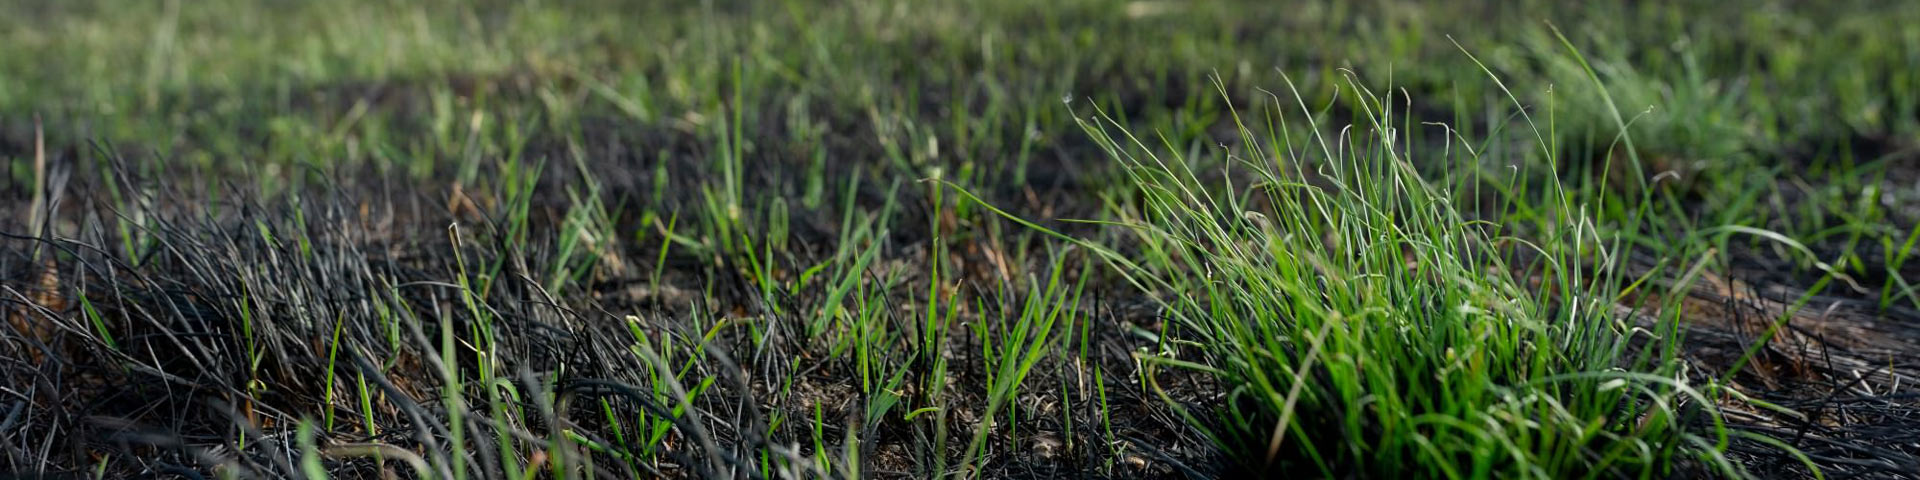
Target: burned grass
x,y
174,330
1831,376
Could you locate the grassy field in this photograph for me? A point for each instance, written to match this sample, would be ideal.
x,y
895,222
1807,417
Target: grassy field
x,y
506,239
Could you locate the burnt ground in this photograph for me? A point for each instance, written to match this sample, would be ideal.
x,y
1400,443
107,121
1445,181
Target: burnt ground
x,y
1844,366
174,390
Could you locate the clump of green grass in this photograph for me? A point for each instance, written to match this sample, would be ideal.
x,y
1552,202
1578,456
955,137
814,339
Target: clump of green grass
x,y
1361,323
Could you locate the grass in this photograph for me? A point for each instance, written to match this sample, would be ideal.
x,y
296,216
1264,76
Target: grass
x,y
1349,305
516,239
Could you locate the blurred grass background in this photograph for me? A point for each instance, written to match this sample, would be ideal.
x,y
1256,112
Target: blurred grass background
x,y
272,81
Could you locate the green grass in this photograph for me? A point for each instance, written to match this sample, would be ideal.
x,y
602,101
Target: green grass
x,y
533,239
1360,324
